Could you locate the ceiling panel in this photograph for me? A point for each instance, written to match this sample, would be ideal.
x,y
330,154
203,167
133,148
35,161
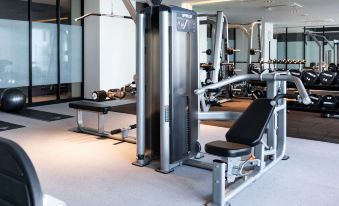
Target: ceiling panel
x,y
280,12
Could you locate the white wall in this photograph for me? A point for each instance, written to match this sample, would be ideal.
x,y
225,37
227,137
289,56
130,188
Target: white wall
x,y
117,47
268,37
110,53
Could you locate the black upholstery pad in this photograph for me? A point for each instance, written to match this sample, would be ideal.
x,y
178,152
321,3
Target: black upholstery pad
x,y
227,149
251,125
19,184
90,106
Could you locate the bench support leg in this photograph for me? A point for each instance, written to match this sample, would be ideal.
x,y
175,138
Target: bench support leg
x,y
101,123
80,121
218,198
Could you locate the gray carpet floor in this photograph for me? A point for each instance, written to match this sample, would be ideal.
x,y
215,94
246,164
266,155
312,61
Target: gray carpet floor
x,y
85,171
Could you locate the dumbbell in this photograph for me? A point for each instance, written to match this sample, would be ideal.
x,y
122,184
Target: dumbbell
x,y
336,80
254,51
310,78
332,67
208,52
329,102
112,94
327,78
253,69
231,51
99,96
301,61
292,99
258,94
315,100
129,89
206,67
295,73
282,61
116,93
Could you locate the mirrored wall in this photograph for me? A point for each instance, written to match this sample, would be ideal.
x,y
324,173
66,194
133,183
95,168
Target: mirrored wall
x,y
42,48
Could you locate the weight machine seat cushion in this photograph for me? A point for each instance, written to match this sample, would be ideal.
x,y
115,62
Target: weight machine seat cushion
x,y
90,106
251,125
19,182
227,149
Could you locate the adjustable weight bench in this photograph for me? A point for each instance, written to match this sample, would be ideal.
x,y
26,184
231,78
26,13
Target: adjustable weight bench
x,y
242,137
19,183
101,109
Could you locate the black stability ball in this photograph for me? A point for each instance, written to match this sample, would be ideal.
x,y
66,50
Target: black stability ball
x,y
12,100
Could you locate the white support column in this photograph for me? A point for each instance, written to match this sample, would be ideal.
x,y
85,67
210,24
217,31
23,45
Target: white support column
x,y
91,48
109,47
268,37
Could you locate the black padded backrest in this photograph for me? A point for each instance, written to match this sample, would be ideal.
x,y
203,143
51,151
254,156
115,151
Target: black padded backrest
x,y
251,125
19,184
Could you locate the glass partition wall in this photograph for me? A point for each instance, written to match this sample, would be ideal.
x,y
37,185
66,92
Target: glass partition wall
x,y
14,35
42,48
293,43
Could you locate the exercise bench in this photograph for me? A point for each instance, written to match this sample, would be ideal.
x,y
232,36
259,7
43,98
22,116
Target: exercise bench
x,y
242,138
101,109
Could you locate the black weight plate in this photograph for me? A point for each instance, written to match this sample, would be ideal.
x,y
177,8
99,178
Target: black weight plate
x,y
327,78
310,77
316,100
296,73
329,102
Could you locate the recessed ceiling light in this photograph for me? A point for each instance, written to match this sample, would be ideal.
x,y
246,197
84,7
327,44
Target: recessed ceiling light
x,y
286,5
295,4
329,20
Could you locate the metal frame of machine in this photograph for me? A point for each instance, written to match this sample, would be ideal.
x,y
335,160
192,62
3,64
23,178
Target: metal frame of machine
x,y
169,96
157,82
315,38
166,98
249,32
265,155
219,23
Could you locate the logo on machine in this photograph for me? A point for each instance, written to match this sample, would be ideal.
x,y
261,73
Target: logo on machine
x,y
189,16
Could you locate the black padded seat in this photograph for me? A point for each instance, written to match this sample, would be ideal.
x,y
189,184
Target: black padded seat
x,y
246,132
90,106
227,149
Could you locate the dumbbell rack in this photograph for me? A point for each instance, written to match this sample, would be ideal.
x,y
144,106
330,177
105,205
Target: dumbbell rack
x,y
313,109
275,63
308,87
317,87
